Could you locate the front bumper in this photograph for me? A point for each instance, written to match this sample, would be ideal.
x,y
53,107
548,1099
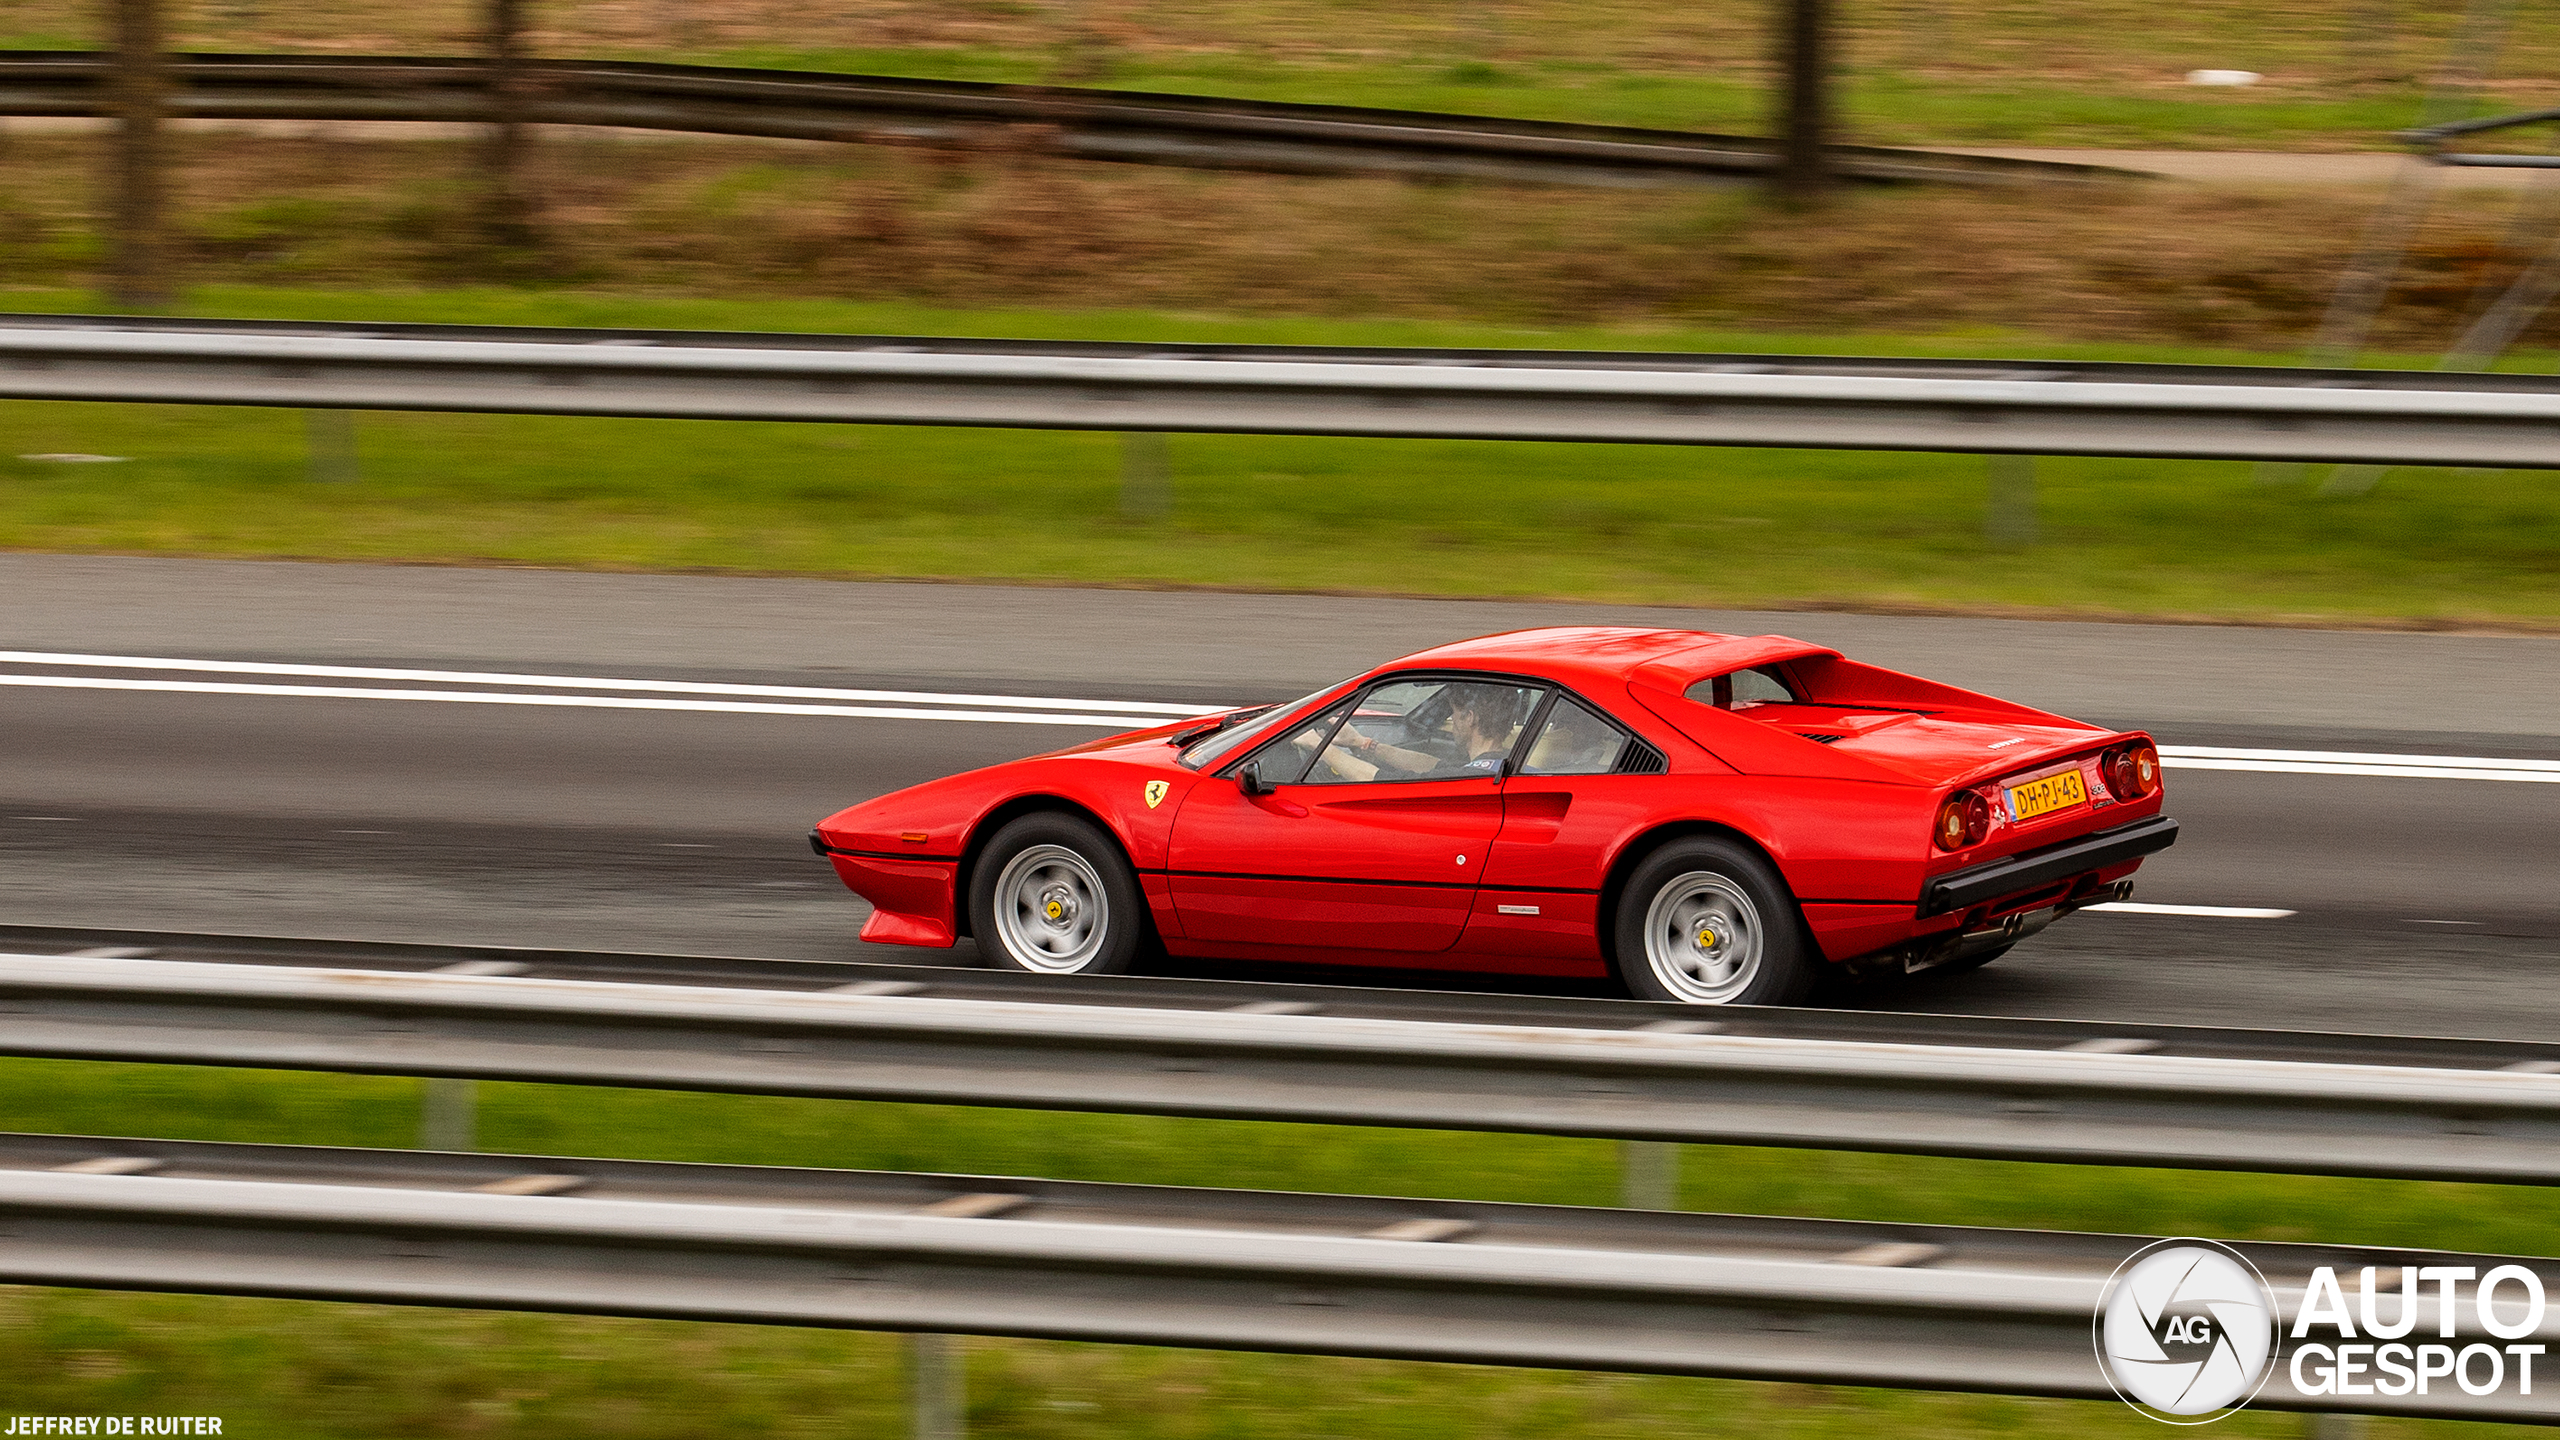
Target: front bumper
x,y
1959,889
912,896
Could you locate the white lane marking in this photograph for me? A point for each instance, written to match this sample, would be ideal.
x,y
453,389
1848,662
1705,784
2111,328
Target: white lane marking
x,y
2384,772
2351,757
588,682
586,702
1113,714
2383,764
2210,912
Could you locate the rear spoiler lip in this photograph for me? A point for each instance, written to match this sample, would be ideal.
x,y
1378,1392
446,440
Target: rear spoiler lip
x,y
2096,741
1959,889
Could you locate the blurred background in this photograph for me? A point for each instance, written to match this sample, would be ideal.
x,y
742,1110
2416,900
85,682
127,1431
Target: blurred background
x,y
2251,206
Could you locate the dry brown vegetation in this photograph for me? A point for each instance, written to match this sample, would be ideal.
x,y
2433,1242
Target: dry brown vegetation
x,y
2303,45
2137,261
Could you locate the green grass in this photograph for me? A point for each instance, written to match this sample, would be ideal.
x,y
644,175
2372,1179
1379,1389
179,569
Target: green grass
x,y
278,1370
1650,523
500,305
261,1107
286,1370
1877,107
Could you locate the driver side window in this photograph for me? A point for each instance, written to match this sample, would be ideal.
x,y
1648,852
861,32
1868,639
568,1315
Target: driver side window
x,y
1284,761
1425,730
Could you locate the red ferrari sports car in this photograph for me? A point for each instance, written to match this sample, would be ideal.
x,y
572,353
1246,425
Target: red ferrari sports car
x,y
1715,819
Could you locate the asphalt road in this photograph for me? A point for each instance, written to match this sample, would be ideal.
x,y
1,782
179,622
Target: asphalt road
x,y
2423,905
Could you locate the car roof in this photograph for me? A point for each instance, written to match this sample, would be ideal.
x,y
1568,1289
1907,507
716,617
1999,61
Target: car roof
x,y
1590,654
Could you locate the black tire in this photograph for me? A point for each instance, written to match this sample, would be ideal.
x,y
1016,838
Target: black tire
x,y
1053,895
1755,950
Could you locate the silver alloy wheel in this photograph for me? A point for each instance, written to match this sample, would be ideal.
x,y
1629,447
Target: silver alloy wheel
x,y
1050,911
1702,938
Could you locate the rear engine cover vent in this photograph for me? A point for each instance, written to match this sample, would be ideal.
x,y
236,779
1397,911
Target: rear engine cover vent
x,y
1818,739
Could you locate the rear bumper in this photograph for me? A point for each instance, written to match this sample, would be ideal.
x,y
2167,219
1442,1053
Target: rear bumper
x,y
1972,886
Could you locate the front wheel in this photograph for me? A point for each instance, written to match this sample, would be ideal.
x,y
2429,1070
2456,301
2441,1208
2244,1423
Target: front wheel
x,y
1706,922
1052,895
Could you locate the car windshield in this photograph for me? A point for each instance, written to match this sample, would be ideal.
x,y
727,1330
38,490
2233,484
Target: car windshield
x,y
1210,749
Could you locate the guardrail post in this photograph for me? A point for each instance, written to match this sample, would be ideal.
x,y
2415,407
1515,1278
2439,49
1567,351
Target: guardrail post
x,y
331,436
506,200
1648,1175
2371,47
935,1386
1804,101
2011,517
137,268
448,1118
1146,476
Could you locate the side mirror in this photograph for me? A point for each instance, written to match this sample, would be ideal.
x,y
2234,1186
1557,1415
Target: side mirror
x,y
1249,780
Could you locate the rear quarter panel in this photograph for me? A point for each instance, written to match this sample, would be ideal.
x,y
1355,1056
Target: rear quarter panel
x,y
1852,852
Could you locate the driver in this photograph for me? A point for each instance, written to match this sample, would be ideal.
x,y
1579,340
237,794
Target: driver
x,y
1481,722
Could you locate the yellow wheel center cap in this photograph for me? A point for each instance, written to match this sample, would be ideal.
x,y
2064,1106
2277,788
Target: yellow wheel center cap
x,y
1706,937
1056,910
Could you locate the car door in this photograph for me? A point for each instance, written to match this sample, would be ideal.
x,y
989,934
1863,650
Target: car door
x,y
1583,782
1369,828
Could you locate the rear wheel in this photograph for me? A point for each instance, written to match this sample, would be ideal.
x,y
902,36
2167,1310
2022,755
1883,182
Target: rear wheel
x,y
1706,922
1052,895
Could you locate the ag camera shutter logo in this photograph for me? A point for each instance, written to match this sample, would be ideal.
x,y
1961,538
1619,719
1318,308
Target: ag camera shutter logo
x,y
2186,1331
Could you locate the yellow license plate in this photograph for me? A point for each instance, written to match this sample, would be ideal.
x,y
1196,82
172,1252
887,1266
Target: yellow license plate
x,y
2043,797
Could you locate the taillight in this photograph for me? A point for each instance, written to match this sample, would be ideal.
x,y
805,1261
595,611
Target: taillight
x,y
1963,821
2133,771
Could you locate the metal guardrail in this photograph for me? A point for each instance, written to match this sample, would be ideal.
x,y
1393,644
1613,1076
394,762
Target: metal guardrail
x,y
1440,1004
2429,141
2025,407
2102,1102
1191,131
1911,1306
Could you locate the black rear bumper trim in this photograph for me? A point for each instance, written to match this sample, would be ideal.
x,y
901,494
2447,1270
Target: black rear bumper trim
x,y
1960,888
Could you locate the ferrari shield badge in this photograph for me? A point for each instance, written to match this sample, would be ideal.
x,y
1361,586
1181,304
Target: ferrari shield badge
x,y
1155,792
